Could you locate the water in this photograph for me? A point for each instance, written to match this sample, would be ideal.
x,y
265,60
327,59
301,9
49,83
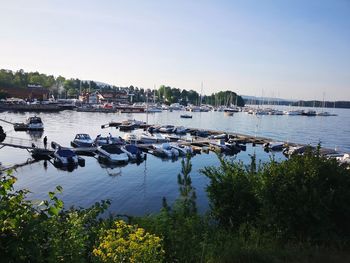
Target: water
x,y
138,189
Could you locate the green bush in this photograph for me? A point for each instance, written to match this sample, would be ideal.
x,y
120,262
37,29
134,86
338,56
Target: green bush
x,y
304,198
233,193
307,197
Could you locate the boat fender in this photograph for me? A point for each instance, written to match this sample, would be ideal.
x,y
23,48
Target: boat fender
x,y
81,161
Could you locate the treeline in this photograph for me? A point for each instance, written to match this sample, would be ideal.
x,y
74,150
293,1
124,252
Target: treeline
x,y
324,104
58,86
70,88
223,98
294,211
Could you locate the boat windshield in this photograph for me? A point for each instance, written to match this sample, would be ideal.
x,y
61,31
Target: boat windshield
x,y
83,137
34,120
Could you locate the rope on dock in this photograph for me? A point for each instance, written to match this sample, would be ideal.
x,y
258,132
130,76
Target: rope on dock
x,y
7,121
14,167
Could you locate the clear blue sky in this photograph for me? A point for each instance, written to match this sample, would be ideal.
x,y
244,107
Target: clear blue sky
x,y
290,49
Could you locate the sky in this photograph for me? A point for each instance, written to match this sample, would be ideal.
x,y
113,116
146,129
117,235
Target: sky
x,y
292,49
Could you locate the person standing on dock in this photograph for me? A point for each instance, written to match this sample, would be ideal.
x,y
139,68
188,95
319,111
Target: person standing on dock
x,y
45,142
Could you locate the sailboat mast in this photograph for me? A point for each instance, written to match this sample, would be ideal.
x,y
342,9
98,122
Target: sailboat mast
x,y
147,107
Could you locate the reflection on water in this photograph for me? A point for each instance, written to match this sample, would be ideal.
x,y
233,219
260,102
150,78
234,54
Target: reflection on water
x,y
35,135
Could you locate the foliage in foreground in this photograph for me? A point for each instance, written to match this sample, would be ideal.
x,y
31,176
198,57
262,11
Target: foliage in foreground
x,y
46,233
293,211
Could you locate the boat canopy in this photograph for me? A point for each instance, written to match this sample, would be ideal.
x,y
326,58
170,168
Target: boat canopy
x,y
66,153
112,149
132,149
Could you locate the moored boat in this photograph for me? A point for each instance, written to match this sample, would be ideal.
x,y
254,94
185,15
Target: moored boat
x,y
167,129
82,140
35,124
152,138
186,116
134,153
165,151
112,153
66,157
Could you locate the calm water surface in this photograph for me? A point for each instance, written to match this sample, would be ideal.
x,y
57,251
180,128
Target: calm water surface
x,y
138,189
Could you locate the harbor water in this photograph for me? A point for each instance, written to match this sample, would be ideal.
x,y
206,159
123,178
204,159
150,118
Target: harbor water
x,y
138,189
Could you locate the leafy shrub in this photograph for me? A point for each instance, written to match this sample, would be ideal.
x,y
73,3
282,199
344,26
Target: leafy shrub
x,y
232,193
307,197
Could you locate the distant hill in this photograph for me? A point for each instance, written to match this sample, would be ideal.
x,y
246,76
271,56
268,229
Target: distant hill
x,y
310,103
252,98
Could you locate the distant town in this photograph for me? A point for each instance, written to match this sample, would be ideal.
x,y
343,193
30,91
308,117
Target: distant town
x,y
31,86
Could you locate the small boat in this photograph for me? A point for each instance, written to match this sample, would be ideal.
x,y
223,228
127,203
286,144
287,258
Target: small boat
x,y
82,140
296,150
20,127
108,140
293,112
112,153
165,151
172,137
228,113
231,109
66,157
309,113
219,145
127,126
219,136
35,124
345,159
236,145
153,129
134,153
180,130
183,150
200,133
131,138
274,146
152,138
186,116
167,129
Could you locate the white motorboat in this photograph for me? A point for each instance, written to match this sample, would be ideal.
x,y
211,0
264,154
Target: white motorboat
x,y
219,144
131,138
165,150
167,129
35,124
112,153
82,140
183,150
292,112
345,159
152,138
108,140
219,136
